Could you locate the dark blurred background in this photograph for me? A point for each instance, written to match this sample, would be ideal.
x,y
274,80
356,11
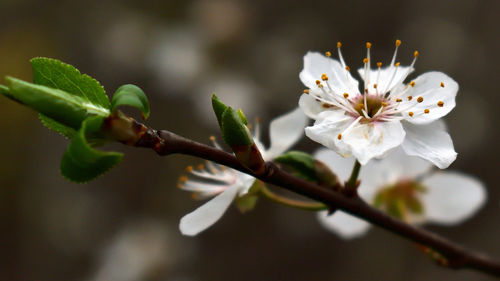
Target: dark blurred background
x,y
123,226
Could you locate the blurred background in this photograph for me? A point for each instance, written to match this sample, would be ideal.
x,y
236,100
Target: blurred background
x,y
124,226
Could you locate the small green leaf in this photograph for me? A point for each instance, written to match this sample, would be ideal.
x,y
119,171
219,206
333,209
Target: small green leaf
x,y
234,131
81,162
301,162
242,116
52,124
56,74
131,95
61,106
219,108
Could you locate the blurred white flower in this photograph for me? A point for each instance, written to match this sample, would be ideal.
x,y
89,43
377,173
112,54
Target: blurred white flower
x,y
385,115
225,184
407,188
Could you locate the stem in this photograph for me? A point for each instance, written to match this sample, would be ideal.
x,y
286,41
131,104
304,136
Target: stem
x,y
351,184
165,143
309,206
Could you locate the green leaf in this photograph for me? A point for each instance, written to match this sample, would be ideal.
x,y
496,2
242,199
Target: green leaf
x,y
56,74
219,108
131,95
81,162
242,116
61,106
52,124
234,131
302,163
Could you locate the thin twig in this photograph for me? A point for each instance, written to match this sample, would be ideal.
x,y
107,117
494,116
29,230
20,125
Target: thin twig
x,y
457,257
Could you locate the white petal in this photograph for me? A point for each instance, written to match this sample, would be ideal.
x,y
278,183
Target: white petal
x,y
428,86
315,64
328,125
373,139
345,225
310,106
285,131
385,77
430,142
207,214
397,165
452,197
341,166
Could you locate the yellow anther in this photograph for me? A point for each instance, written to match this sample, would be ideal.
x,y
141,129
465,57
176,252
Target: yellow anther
x,y
189,169
212,138
339,136
368,45
318,82
410,97
440,103
326,105
412,83
399,100
306,91
398,42
346,95
410,113
324,77
183,179
320,86
328,54
420,99
347,68
379,64
442,85
426,111
339,44
375,86
397,64
383,103
365,60
200,167
366,91
415,54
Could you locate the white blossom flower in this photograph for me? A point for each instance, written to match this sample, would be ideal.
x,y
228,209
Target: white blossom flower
x,y
225,183
405,187
385,115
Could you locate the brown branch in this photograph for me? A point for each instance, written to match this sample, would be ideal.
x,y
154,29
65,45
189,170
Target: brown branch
x,y
455,256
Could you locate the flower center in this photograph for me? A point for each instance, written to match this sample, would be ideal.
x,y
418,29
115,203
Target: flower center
x,y
401,200
373,105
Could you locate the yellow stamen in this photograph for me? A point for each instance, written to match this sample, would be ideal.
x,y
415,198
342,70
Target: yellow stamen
x,y
212,138
306,91
379,64
410,113
365,60
339,136
347,68
410,97
200,167
324,77
183,179
328,54
412,83
397,64
442,85
398,42
339,44
440,103
346,95
399,100
368,45
420,99
318,82
375,86
426,110
189,169
383,103
415,54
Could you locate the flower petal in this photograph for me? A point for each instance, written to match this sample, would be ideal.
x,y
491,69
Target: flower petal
x,y
284,132
385,77
207,214
373,139
310,106
431,142
328,125
343,224
341,166
452,197
434,88
315,64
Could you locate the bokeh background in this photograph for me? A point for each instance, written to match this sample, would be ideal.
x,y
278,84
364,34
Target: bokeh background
x,y
123,226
